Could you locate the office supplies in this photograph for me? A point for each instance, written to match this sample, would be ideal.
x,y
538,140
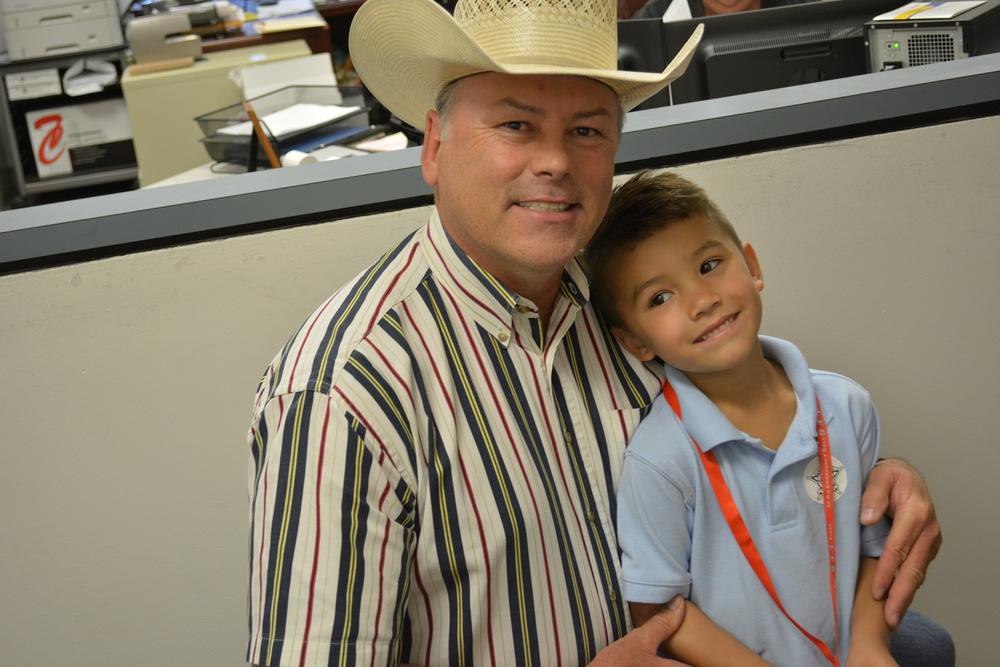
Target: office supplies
x,y
162,105
302,118
259,80
161,65
68,139
88,76
162,37
44,28
262,137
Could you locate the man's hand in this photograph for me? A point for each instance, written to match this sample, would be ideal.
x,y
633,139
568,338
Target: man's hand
x,y
896,489
638,648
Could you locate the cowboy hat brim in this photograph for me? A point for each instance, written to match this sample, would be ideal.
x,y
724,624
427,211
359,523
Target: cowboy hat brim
x,y
405,51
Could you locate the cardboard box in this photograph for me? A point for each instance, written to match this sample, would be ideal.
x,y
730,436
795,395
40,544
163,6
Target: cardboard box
x,y
81,137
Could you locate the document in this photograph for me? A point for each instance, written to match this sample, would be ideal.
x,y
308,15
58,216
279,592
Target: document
x,y
293,119
929,10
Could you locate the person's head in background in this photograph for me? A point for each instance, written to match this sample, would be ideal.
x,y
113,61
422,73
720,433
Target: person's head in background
x,y
673,279
713,7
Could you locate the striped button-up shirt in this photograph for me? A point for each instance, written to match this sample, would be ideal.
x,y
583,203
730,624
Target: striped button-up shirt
x,y
433,475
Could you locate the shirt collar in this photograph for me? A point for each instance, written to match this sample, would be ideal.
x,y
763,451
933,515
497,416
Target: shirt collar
x,y
710,428
486,299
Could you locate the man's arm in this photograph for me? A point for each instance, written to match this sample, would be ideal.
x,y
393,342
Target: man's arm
x,y
897,490
699,640
639,647
325,496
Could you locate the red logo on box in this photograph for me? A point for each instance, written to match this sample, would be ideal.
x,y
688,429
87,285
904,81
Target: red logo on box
x,y
52,139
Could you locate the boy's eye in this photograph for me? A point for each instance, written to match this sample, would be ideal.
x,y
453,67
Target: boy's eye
x,y
659,298
709,265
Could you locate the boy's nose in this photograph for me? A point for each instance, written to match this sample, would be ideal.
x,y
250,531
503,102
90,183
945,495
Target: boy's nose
x,y
704,301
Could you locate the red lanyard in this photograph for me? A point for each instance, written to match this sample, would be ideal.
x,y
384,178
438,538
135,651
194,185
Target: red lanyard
x,y
739,529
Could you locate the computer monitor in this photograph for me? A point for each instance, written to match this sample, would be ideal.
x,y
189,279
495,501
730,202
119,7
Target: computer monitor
x,y
756,50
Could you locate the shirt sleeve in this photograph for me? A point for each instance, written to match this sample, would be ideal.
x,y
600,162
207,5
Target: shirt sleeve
x,y
869,442
653,533
332,537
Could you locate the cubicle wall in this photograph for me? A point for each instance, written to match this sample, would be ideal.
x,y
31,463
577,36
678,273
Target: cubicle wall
x,y
126,386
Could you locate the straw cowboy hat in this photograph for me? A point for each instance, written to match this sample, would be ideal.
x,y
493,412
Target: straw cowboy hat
x,y
407,50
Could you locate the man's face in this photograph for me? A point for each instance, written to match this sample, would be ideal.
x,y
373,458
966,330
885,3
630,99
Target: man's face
x,y
690,296
522,170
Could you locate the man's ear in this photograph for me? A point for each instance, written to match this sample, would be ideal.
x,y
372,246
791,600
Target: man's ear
x,y
633,344
430,148
753,264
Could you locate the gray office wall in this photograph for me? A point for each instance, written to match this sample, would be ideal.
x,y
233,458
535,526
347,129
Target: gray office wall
x,y
125,386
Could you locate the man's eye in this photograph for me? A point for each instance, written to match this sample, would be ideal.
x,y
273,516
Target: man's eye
x,y
659,299
514,124
709,265
587,132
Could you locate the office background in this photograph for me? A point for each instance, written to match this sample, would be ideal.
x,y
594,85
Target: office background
x,y
126,381
127,384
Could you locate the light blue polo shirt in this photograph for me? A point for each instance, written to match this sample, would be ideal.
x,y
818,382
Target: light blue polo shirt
x,y
674,539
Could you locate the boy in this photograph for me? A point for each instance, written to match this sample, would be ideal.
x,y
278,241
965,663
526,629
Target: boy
x,y
744,425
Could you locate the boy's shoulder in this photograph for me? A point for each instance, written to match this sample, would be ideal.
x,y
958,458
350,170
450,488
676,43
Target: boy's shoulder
x,y
830,385
661,441
838,392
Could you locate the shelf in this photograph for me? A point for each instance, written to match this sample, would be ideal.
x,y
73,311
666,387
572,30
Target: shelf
x,y
81,180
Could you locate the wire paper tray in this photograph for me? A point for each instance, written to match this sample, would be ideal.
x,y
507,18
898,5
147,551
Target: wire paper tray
x,y
299,118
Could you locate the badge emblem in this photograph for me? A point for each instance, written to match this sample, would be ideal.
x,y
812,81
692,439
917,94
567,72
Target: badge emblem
x,y
814,486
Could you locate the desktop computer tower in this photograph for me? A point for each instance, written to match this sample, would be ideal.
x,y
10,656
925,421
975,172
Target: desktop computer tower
x,y
894,42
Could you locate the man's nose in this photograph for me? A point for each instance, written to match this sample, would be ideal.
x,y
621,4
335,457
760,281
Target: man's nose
x,y
551,158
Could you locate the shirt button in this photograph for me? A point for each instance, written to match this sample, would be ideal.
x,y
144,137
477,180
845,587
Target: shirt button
x,y
503,336
523,309
591,517
572,288
614,596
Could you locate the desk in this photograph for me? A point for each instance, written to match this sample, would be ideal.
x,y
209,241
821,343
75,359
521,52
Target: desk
x,y
318,38
334,8
338,15
162,106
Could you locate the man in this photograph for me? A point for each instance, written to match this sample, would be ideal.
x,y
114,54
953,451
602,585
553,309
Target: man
x,y
436,449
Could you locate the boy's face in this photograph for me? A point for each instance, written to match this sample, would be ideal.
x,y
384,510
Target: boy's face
x,y
690,296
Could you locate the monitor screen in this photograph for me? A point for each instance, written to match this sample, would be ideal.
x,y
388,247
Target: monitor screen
x,y
749,51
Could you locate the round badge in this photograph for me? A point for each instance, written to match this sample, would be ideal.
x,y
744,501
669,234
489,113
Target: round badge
x,y
814,487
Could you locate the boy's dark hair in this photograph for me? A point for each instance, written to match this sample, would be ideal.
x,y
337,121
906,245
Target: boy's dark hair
x,y
640,207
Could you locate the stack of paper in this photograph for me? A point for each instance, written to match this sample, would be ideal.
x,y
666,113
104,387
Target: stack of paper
x,y
293,119
929,10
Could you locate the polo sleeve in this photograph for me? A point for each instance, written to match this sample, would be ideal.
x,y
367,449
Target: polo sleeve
x,y
332,537
653,533
869,441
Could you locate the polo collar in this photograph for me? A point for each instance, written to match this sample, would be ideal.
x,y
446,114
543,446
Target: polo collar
x,y
491,304
710,428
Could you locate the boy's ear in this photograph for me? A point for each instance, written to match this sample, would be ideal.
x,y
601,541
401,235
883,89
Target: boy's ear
x,y
753,264
633,344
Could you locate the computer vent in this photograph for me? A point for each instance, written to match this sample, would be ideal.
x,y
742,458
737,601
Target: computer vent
x,y
932,48
741,44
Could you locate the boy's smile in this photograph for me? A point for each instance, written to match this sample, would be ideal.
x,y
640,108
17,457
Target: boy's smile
x,y
690,296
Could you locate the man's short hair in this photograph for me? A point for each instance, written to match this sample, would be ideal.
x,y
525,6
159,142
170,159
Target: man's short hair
x,y
645,204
